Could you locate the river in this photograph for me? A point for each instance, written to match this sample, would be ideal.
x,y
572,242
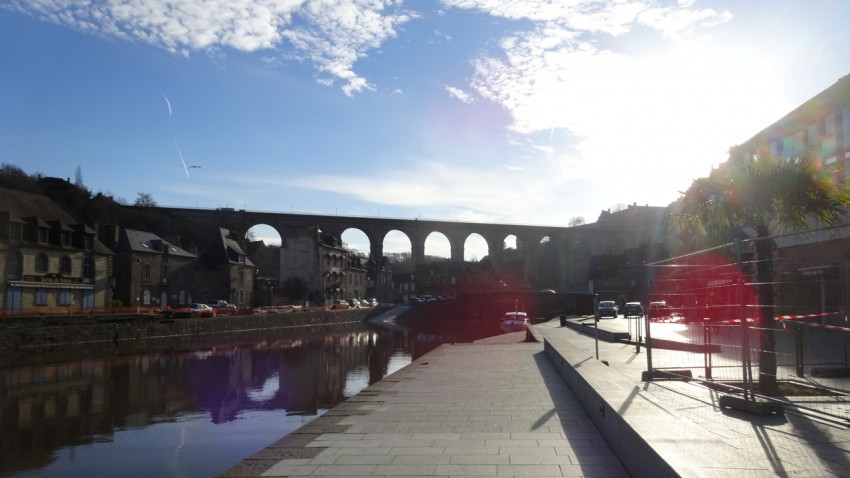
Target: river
x,y
188,409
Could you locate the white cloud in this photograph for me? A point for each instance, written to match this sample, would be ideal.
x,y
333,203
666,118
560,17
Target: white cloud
x,y
451,189
652,121
674,22
458,93
331,34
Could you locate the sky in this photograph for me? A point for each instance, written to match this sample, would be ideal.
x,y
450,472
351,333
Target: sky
x,y
489,111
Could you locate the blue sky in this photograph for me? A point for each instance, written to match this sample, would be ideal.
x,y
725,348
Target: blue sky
x,y
473,110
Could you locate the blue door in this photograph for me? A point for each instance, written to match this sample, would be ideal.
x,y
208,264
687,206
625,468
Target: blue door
x,y
88,299
13,298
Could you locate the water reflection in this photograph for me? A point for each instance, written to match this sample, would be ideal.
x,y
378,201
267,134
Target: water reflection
x,y
183,410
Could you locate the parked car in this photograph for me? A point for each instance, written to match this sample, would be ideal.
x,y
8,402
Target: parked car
x,y
633,309
354,303
201,310
373,302
415,301
660,311
221,304
339,304
189,311
607,308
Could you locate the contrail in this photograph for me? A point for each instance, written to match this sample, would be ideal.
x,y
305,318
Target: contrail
x,y
181,156
168,104
173,138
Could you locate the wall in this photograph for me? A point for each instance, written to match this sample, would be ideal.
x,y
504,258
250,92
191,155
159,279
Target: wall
x,y
38,332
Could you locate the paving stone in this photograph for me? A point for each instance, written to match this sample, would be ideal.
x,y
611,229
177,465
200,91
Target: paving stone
x,y
506,410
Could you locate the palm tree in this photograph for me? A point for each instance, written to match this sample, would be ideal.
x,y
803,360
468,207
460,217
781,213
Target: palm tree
x,y
766,193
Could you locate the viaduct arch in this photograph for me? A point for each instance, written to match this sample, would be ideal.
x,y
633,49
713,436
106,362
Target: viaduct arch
x,y
376,229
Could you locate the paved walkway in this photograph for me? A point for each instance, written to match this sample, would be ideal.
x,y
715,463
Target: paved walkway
x,y
547,408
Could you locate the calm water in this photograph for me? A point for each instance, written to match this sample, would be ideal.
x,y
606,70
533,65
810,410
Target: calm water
x,y
186,410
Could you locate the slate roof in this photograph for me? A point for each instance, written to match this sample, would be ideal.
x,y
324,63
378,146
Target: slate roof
x,y
40,211
222,249
25,204
148,242
7,217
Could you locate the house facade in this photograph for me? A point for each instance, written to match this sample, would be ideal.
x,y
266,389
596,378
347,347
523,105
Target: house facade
x,y
331,271
49,262
149,271
223,271
819,127
811,269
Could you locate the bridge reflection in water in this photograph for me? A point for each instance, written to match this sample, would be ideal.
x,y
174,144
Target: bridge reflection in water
x,y
184,410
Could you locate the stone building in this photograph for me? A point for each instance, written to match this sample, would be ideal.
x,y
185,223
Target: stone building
x,y
223,271
379,279
819,127
49,262
811,269
331,271
149,271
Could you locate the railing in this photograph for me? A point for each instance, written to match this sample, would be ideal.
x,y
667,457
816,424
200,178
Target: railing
x,y
790,351
59,310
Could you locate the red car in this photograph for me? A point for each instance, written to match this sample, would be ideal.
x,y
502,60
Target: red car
x,y
339,304
190,311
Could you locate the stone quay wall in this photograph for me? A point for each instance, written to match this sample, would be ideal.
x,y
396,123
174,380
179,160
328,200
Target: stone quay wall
x,y
37,332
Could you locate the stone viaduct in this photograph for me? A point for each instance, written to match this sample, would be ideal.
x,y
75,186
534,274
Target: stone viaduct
x,y
376,229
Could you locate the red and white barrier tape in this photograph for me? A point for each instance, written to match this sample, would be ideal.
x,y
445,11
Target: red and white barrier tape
x,y
804,316
736,321
783,318
824,326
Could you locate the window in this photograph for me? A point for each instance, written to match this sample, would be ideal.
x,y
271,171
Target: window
x,y
88,268
163,272
41,262
788,146
828,147
813,133
845,121
15,266
66,238
799,144
829,142
65,297
41,296
65,265
43,235
146,296
15,232
88,242
829,125
146,272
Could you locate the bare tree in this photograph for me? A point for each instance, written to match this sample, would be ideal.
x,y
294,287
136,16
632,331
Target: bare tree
x,y
145,200
78,177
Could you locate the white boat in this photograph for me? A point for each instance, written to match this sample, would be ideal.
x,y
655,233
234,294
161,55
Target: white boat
x,y
514,321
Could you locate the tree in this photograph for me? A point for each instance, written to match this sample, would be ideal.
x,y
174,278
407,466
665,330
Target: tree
x,y
145,200
766,193
296,288
78,177
12,176
576,221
